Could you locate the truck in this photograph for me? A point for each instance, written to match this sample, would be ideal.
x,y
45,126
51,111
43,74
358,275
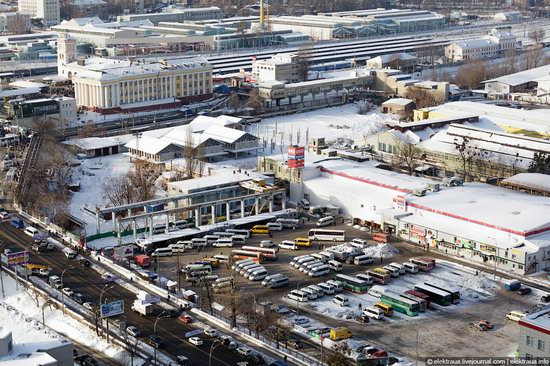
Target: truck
x,y
381,237
142,309
55,282
339,333
512,285
143,260
17,222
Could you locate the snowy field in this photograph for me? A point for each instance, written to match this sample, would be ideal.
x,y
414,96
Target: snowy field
x,y
20,314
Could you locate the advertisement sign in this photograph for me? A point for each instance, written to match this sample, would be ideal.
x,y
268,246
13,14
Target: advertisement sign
x,y
112,309
295,163
18,258
296,151
401,203
418,231
124,251
193,333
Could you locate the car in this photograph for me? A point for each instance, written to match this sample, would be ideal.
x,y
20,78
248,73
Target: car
x,y
211,332
182,360
67,291
244,363
155,341
196,341
185,319
86,360
173,313
245,351
362,319
545,298
256,360
232,345
477,326
294,343
4,215
361,348
281,309
36,248
288,244
487,324
88,306
79,298
300,321
108,278
133,331
524,291
84,262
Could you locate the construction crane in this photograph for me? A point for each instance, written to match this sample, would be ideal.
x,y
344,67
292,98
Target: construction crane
x,y
264,15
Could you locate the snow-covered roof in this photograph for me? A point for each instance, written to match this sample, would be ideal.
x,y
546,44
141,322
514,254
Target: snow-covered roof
x,y
220,178
536,181
91,143
398,101
475,43
522,77
224,134
147,144
202,123
539,319
393,56
21,91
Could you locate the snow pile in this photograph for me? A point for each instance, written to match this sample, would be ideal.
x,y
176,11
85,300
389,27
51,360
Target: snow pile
x,y
474,287
381,251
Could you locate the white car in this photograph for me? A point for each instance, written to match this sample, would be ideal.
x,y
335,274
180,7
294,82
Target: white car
x,y
245,351
288,244
67,291
4,215
267,244
196,341
211,332
88,306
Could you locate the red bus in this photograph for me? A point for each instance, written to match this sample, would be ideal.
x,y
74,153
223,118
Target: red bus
x,y
269,254
419,294
378,276
247,254
425,264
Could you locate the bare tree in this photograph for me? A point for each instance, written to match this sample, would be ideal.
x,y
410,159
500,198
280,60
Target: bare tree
x,y
192,155
233,102
407,154
206,293
471,74
532,58
422,98
233,297
277,328
142,180
118,191
537,34
18,25
254,101
339,355
467,153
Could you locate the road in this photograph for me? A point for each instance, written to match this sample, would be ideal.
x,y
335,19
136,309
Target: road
x,y
88,281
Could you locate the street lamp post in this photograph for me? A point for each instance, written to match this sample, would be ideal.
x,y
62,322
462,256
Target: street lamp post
x,y
2,244
155,332
212,348
62,293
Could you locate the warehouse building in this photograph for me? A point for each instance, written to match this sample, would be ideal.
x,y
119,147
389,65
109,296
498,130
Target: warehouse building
x,y
534,335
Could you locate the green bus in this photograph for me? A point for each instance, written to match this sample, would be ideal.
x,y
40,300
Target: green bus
x,y
352,283
400,303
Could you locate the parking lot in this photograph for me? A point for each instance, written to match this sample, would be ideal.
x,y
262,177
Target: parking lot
x,y
441,331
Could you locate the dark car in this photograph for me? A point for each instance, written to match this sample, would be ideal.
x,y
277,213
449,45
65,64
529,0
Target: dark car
x,y
545,298
362,319
294,343
183,360
84,262
524,291
156,341
90,361
80,298
173,313
256,360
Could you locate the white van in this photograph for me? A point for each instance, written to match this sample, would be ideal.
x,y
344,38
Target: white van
x,y
340,300
373,313
245,233
267,244
199,242
258,275
211,239
223,234
377,291
179,247
270,277
239,264
249,268
295,259
327,288
398,266
516,315
69,253
365,277
320,257
222,258
31,231
328,255
325,221
311,294
298,295
289,223
362,260
223,242
392,271
335,266
275,226
338,286
278,282
239,240
303,261
308,265
162,252
410,267
318,271
318,290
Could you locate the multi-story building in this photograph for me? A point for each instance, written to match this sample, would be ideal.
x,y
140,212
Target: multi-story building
x,y
111,85
47,10
281,67
497,42
175,14
534,333
15,22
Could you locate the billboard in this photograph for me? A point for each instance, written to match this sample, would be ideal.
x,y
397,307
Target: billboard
x,y
112,309
296,152
18,258
124,251
193,333
295,163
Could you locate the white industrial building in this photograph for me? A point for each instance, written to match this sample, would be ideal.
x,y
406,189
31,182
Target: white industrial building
x,y
496,43
280,67
534,335
499,227
176,14
534,81
47,10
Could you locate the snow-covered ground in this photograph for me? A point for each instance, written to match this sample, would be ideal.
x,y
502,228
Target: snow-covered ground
x,y
20,314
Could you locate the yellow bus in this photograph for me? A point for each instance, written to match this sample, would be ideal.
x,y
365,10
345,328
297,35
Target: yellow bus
x,y
381,271
260,229
214,262
302,242
386,308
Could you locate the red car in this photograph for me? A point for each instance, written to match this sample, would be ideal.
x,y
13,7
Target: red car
x,y
487,324
185,319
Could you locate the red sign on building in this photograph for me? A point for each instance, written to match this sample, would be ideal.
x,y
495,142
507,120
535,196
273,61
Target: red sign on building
x,y
296,163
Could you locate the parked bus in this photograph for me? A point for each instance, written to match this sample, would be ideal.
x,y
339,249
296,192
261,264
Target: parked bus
x,y
437,296
400,303
423,304
420,295
351,283
455,294
239,254
327,235
378,276
424,264
243,232
289,223
269,253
